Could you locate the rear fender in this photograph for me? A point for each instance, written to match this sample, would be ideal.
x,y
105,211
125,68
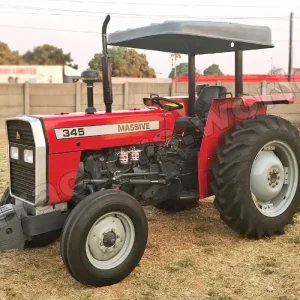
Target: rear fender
x,y
223,115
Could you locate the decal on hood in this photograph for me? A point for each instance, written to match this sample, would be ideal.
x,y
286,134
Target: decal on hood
x,y
99,130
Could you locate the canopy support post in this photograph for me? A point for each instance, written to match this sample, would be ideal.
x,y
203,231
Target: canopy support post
x,y
290,48
192,84
238,73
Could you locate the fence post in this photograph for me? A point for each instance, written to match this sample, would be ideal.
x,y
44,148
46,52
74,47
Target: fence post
x,y
26,98
263,88
173,88
78,96
126,95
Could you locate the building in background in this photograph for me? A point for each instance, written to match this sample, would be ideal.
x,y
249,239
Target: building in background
x,y
37,74
71,75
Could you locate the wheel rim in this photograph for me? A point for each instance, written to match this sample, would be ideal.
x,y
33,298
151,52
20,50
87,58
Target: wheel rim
x,y
274,178
110,240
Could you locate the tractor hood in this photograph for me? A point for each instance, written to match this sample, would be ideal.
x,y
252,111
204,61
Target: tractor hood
x,y
67,132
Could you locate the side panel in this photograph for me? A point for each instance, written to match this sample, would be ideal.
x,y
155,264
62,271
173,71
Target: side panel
x,y
63,168
100,132
223,115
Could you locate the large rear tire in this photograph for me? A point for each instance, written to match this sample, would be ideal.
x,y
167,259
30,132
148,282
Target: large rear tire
x,y
256,176
104,238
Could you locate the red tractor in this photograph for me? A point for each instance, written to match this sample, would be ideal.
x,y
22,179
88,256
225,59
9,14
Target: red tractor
x,y
85,176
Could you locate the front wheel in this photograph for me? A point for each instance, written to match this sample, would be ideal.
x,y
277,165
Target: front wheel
x,y
104,238
256,176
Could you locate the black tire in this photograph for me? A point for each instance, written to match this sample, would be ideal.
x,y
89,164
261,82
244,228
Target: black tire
x,y
78,225
231,172
41,240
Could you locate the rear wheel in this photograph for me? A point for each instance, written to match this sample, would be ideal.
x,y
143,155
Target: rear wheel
x,y
256,176
104,238
40,240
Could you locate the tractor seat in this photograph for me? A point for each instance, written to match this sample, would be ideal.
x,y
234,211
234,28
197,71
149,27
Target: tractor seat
x,y
200,87
202,106
189,122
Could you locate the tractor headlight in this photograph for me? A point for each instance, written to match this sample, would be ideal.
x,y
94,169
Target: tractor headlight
x,y
28,156
14,152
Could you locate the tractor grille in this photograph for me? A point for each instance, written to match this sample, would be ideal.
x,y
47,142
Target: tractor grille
x,y
22,174
22,179
20,132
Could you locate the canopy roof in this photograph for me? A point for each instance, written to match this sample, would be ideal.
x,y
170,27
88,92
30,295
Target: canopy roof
x,y
194,37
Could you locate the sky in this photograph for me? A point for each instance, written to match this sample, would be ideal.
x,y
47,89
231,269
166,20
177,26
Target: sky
x,y
75,26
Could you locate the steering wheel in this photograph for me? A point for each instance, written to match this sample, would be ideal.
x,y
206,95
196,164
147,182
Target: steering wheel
x,y
157,100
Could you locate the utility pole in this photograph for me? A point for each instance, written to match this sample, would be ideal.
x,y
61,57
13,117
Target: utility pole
x,y
290,48
271,64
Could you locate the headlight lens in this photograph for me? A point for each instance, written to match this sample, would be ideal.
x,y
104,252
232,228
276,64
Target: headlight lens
x,y
14,152
28,156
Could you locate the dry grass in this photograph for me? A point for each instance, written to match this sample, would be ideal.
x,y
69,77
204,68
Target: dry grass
x,y
190,255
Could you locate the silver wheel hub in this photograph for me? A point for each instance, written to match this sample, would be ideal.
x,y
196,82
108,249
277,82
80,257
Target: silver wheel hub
x,y
106,238
110,240
267,176
274,178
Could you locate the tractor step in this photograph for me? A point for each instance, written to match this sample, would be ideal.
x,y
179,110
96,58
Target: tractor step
x,y
188,195
11,232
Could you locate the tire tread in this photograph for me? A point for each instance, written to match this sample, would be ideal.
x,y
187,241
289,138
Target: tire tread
x,y
229,171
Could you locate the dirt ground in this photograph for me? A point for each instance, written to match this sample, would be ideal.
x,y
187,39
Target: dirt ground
x,y
190,255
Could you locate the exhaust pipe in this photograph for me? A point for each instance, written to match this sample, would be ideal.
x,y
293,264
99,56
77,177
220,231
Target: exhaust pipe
x,y
106,73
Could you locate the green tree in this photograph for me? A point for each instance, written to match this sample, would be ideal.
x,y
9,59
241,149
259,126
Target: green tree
x,y
182,70
213,70
48,55
124,63
8,57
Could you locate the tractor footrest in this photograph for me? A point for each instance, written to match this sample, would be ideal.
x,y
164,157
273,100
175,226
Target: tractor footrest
x,y
11,232
188,195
